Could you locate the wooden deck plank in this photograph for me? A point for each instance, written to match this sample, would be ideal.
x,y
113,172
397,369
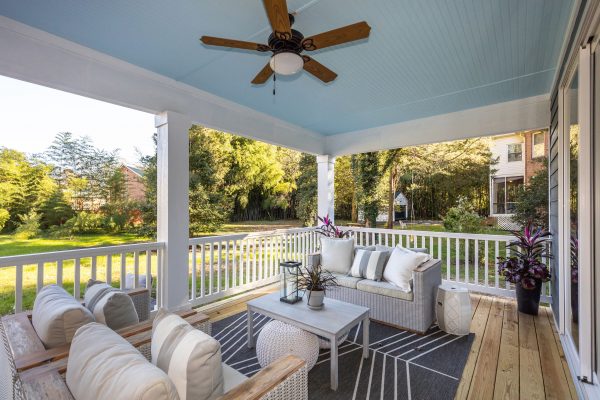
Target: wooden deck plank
x,y
555,381
561,354
482,383
507,374
478,328
530,370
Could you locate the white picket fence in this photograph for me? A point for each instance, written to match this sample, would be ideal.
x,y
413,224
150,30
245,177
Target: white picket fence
x,y
221,266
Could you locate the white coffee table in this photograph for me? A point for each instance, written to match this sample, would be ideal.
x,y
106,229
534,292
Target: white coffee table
x,y
332,322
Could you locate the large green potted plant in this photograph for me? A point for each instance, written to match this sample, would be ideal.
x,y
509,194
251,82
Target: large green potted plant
x,y
525,267
314,281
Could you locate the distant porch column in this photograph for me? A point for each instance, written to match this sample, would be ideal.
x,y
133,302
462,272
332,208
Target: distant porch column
x,y
325,192
173,207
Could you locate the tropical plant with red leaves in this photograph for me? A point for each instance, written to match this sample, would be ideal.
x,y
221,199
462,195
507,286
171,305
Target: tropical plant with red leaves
x,y
330,230
525,266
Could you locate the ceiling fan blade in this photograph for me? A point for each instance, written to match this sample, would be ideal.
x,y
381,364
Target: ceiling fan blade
x,y
236,44
277,12
263,75
346,34
319,70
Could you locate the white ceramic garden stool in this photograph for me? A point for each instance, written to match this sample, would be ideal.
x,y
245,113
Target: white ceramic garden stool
x,y
277,339
453,309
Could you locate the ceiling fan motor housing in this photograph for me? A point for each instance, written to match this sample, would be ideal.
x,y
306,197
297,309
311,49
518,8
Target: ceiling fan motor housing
x,y
294,44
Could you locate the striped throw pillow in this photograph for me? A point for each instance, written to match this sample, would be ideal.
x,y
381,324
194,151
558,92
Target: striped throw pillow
x,y
368,264
190,357
110,306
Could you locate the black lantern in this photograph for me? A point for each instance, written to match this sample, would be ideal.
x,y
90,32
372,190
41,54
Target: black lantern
x,y
290,275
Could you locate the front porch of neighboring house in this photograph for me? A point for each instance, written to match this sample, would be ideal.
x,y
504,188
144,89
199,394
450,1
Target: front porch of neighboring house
x,y
416,80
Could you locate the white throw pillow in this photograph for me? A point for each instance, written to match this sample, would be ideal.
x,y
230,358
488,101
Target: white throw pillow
x,y
104,366
368,264
110,306
400,267
57,315
190,357
337,254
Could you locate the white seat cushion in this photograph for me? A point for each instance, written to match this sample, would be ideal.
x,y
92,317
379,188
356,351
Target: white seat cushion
x,y
346,281
337,254
190,357
110,306
57,315
400,266
231,378
384,288
369,264
104,366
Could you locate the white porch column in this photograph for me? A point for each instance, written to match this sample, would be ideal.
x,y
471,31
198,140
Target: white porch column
x,y
325,178
173,208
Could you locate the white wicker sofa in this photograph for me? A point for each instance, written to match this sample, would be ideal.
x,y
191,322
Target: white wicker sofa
x,y
413,311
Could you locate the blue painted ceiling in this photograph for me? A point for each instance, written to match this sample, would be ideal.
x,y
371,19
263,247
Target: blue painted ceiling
x,y
423,58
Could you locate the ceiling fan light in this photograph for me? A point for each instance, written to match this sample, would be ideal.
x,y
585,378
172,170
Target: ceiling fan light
x,y
286,63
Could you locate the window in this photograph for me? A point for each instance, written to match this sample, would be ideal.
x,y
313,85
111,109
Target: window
x,y
538,145
505,193
515,152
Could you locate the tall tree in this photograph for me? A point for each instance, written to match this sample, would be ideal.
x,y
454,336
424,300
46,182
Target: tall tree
x,y
307,190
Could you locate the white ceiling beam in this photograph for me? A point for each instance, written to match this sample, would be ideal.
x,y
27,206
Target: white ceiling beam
x,y
511,116
36,56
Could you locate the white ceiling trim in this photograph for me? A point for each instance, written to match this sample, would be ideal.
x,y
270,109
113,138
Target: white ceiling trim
x,y
510,116
33,55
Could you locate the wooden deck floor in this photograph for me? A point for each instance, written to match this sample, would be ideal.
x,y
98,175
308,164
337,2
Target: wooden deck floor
x,y
514,356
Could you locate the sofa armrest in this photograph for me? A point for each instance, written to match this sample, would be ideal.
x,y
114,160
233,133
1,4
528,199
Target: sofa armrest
x,y
314,259
426,280
286,375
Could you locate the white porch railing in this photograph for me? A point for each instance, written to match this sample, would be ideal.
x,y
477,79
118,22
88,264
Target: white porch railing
x,y
72,268
221,266
468,259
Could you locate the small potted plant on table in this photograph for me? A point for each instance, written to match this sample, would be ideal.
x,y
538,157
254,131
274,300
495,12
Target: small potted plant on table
x,y
315,280
525,267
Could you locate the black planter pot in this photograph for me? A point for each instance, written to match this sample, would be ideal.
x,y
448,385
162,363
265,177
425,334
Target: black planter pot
x,y
528,301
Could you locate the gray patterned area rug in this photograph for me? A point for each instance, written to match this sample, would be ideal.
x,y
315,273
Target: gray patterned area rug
x,y
402,365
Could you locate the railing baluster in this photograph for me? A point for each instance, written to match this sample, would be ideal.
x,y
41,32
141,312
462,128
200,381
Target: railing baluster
x,y
194,266
159,264
227,265
136,269
94,267
203,270
261,264
466,260
219,266
77,279
59,273
448,265
457,260
477,261
109,269
486,274
439,247
149,268
40,277
211,270
234,264
431,252
497,253
19,288
123,277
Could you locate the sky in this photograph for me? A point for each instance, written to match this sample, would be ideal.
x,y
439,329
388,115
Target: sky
x,y
32,115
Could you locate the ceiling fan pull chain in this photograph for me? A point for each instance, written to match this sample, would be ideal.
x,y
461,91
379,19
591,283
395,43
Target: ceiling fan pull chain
x,y
274,83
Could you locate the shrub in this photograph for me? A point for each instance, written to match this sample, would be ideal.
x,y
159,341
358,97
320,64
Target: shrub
x,y
4,217
30,226
86,222
462,218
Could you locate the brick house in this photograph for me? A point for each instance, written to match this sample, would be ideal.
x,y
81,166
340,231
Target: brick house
x,y
134,183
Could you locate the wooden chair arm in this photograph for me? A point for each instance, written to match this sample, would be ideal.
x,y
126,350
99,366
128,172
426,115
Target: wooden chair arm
x,y
140,334
266,380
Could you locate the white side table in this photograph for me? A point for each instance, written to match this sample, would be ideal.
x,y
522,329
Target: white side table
x,y
453,309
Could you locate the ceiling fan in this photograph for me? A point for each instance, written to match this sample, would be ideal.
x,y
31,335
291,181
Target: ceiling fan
x,y
287,44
